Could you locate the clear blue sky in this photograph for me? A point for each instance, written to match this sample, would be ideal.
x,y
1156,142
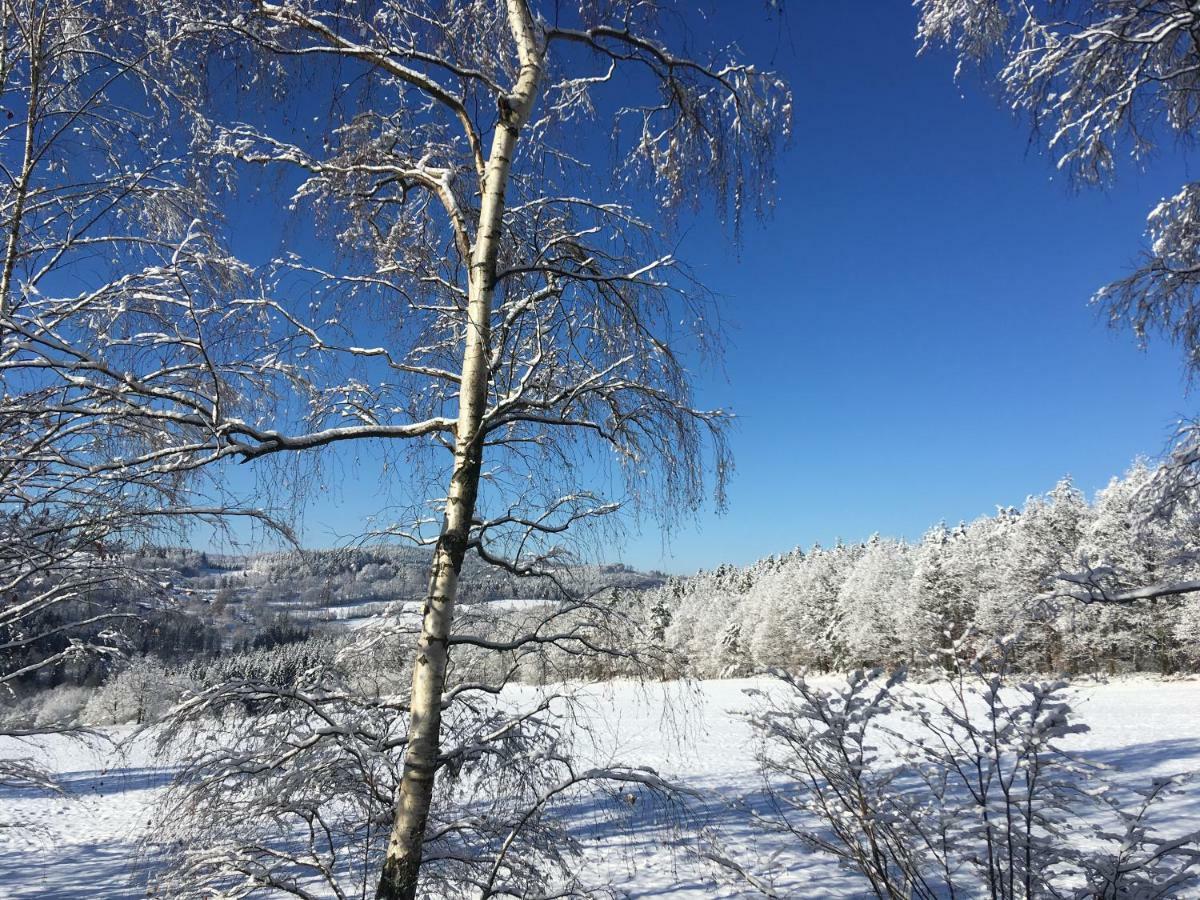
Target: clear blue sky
x,y
910,338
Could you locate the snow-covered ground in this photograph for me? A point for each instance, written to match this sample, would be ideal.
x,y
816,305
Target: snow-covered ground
x,y
84,844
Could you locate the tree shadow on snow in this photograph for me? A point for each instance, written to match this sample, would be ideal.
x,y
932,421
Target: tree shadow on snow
x,y
65,855
1170,756
676,837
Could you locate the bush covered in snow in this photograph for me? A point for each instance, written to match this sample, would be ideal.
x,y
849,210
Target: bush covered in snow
x,y
963,789
141,692
60,707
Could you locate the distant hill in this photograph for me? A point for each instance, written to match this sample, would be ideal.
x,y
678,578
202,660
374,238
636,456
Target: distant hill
x,y
343,587
190,604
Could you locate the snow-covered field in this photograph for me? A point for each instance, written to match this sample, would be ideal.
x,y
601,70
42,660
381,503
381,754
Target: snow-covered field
x,y
84,845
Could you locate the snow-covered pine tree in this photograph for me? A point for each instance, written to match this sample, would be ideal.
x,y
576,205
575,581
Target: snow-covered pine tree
x,y
796,610
872,602
1121,550
943,606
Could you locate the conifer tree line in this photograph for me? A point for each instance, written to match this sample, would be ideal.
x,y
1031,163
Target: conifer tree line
x,y
885,601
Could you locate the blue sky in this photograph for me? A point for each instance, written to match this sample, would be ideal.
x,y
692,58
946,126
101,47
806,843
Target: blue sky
x,y
910,336
912,339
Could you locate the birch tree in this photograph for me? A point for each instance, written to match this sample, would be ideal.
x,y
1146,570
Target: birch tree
x,y
534,315
485,297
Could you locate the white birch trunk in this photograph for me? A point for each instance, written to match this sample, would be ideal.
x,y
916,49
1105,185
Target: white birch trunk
x,y
21,187
402,864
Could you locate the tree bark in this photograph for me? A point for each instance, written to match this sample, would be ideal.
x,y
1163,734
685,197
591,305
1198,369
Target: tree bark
x,y
402,864
27,163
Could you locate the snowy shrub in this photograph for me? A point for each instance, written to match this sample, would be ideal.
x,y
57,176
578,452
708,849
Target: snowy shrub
x,y
61,706
960,789
141,692
1187,632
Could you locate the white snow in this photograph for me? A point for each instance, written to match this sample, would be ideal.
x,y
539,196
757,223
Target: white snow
x,y
85,844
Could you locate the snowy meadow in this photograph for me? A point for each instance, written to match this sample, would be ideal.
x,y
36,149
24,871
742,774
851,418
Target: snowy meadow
x,y
93,839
